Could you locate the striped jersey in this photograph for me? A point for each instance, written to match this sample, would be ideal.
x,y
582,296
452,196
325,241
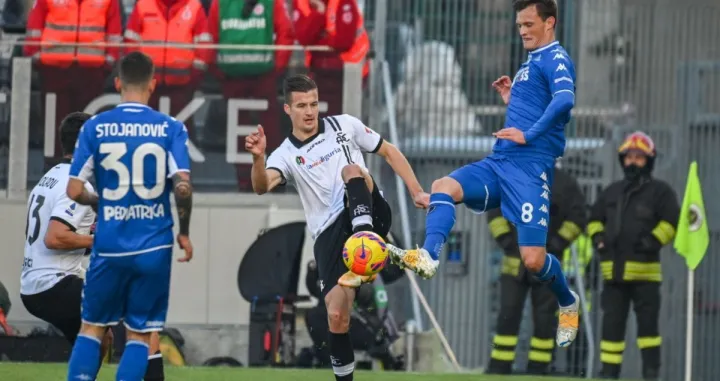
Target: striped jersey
x,y
314,166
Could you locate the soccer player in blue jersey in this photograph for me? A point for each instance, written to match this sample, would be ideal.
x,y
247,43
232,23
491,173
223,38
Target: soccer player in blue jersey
x,y
132,151
517,176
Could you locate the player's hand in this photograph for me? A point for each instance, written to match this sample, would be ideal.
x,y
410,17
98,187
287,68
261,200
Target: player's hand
x,y
422,200
256,142
185,244
512,134
502,85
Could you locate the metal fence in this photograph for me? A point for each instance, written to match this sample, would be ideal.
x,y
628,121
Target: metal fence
x,y
652,65
641,65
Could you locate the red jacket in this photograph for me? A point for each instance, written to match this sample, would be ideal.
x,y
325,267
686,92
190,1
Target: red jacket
x,y
284,33
310,30
170,8
36,24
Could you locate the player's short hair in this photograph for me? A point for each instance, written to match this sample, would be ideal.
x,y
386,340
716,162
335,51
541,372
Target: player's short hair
x,y
545,8
70,129
297,83
136,69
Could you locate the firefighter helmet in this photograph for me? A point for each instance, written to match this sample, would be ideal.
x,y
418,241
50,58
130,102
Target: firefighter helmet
x,y
639,142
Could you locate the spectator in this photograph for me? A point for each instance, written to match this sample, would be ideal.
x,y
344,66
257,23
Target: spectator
x,y
76,74
252,73
339,25
629,224
178,71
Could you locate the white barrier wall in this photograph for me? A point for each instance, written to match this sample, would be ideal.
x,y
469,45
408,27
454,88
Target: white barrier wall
x,y
203,291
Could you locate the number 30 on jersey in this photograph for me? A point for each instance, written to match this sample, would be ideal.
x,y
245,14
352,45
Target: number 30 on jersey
x,y
135,175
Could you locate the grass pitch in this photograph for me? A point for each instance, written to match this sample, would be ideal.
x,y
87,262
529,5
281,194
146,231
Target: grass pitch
x,y
36,372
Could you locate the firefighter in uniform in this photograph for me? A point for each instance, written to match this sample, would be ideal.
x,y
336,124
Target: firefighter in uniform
x,y
629,223
567,220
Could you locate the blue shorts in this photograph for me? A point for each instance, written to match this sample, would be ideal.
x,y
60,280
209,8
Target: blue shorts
x,y
520,186
132,288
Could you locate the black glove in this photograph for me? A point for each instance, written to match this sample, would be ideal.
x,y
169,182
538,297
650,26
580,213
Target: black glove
x,y
556,245
648,244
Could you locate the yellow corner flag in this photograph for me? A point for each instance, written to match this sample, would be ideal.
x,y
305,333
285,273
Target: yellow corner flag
x,y
692,238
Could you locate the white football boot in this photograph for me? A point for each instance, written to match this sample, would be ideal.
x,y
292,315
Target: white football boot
x,y
417,260
568,323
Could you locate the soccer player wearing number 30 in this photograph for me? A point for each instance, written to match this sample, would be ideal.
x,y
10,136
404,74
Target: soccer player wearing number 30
x,y
517,177
132,150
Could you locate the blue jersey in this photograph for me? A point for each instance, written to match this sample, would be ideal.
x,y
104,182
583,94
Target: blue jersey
x,y
132,150
542,95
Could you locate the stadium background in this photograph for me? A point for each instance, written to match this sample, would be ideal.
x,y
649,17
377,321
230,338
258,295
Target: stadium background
x,y
649,65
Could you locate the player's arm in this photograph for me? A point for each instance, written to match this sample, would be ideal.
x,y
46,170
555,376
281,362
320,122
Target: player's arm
x,y
183,192
399,163
265,177
65,219
370,141
81,169
562,87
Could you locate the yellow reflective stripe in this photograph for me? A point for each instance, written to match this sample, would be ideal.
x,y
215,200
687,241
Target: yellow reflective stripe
x,y
510,266
664,232
610,358
606,267
499,226
595,227
642,271
502,355
542,343
505,340
612,346
649,342
539,356
569,231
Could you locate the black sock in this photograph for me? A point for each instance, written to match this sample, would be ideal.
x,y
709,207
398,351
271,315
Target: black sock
x,y
155,371
342,356
360,204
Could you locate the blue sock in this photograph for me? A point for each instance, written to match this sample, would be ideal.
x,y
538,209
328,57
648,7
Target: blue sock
x,y
552,273
85,359
439,222
134,361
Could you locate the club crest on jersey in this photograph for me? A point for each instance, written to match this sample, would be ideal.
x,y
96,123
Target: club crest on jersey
x,y
300,160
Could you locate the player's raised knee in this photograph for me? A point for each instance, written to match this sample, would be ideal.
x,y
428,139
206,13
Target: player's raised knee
x,y
449,186
352,170
338,319
533,257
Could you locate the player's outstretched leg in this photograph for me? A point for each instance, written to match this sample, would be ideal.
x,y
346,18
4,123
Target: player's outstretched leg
x,y
85,358
440,220
546,267
339,301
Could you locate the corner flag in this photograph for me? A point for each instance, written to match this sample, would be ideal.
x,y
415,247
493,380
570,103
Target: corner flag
x,y
692,238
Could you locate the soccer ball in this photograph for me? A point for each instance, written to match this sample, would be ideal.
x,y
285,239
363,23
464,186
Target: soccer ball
x,y
365,253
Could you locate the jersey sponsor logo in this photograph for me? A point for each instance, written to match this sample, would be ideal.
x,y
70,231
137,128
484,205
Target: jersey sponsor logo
x,y
131,129
522,75
559,56
321,159
561,67
134,212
